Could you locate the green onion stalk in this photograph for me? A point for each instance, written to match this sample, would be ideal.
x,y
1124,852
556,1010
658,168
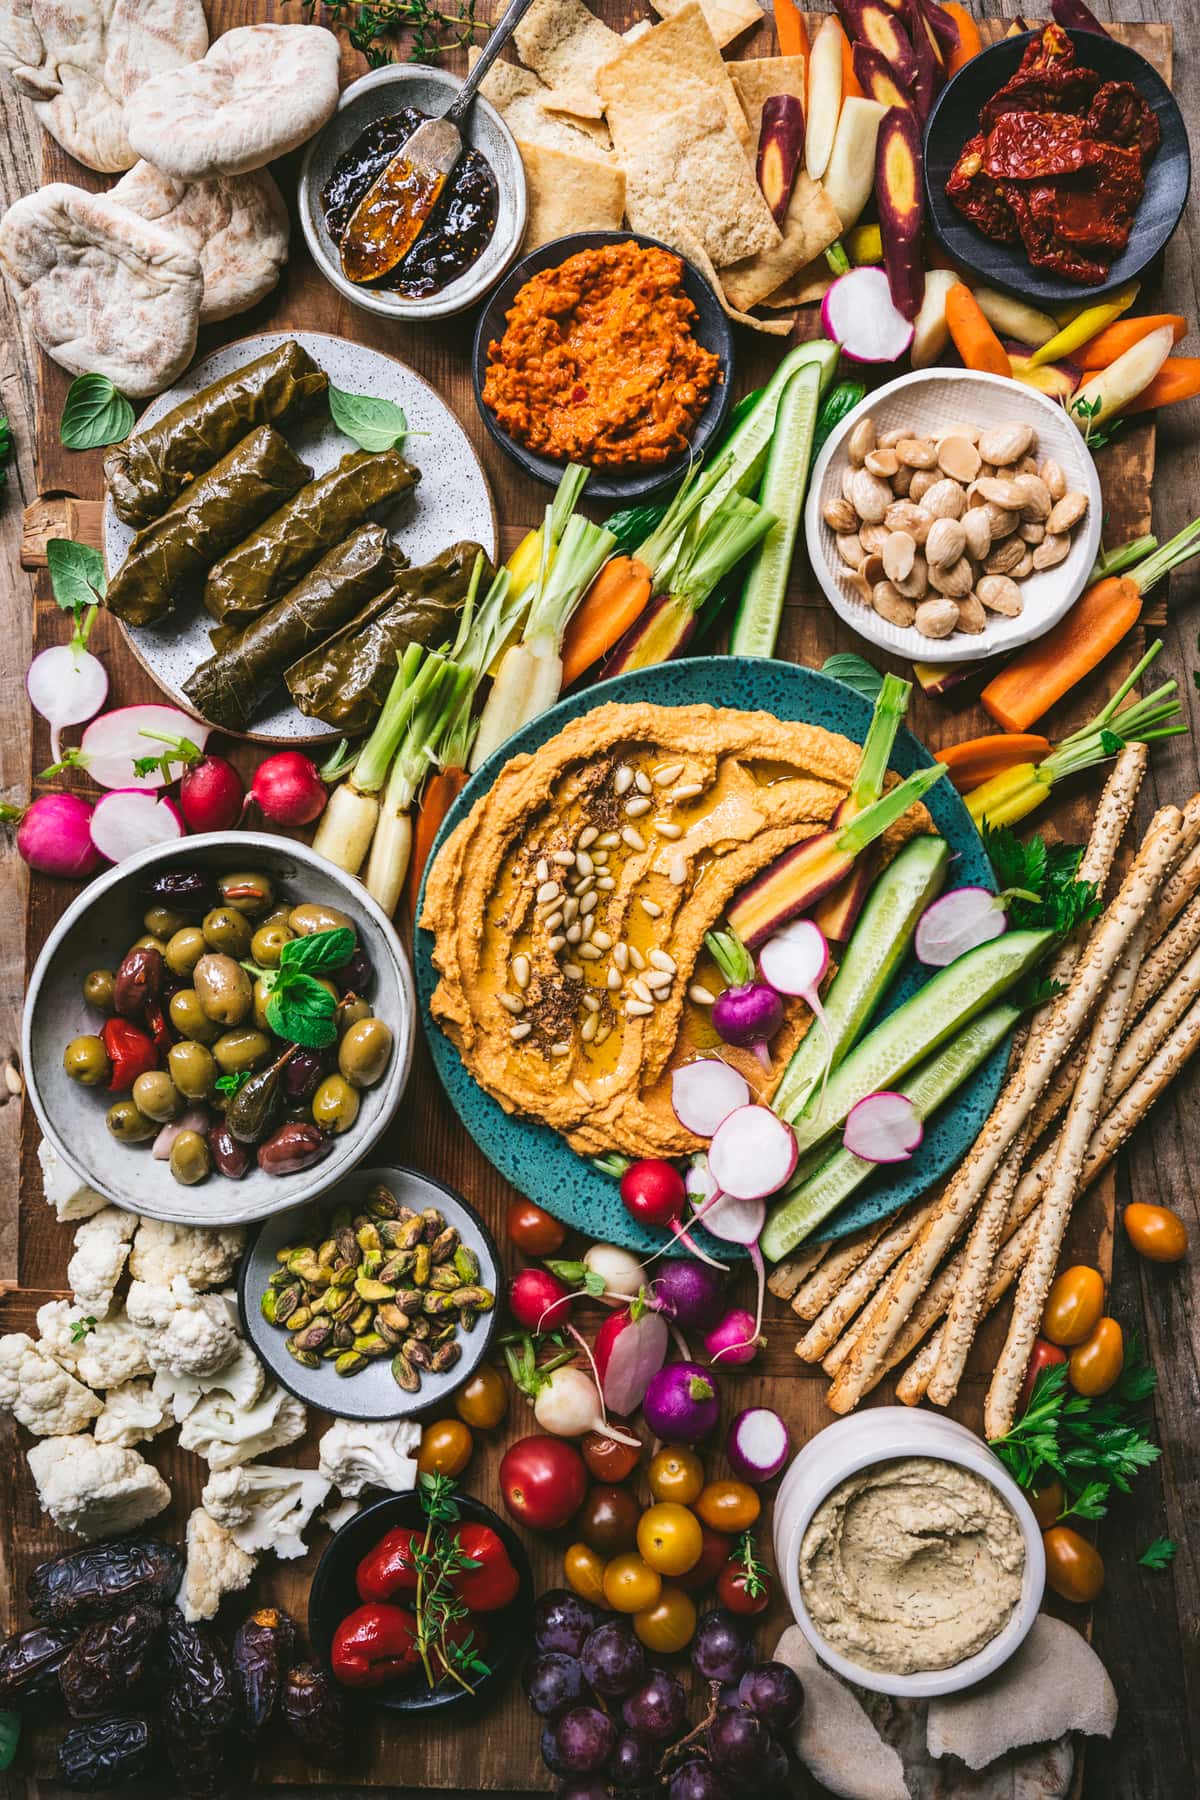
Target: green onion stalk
x,y
437,693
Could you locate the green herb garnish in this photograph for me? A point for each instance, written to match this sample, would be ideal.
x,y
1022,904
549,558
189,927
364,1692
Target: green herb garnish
x,y
298,1007
1159,1554
754,1572
1038,881
230,1084
1095,436
76,574
372,27
437,1607
853,672
81,1326
94,414
370,421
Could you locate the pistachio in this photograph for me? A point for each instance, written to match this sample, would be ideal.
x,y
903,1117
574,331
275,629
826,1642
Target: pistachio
x,y
467,1264
308,1358
444,1245
314,1337
269,1307
422,1264
349,1363
371,1344
374,1290
445,1357
404,1375
433,1223
382,1204
418,1354
444,1279
434,1303
481,1298
299,1317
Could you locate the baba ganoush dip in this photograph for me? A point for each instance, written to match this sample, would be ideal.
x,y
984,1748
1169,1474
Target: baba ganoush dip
x,y
912,1565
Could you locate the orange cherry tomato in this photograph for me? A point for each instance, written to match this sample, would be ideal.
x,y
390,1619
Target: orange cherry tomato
x,y
1073,1566
1073,1305
1047,1503
1156,1232
669,1624
669,1538
1044,1355
676,1474
583,1570
714,1548
533,1231
482,1400
729,1506
631,1585
606,1459
446,1448
1097,1362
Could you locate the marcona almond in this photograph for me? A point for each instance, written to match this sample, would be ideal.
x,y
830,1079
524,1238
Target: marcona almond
x,y
898,553
901,480
891,605
882,462
1031,531
1035,501
1004,444
1026,466
1000,594
860,440
946,542
848,474
1066,512
1050,551
889,439
958,458
905,515
999,492
915,584
850,549
936,618
971,616
1025,567
872,570
945,499
970,432
858,587
873,538
977,528
1053,476
1001,520
918,453
839,515
1004,557
922,481
952,579
871,497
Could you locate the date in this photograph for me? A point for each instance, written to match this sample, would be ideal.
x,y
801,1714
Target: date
x,y
29,1664
261,1655
199,1708
102,1579
106,1753
110,1661
315,1714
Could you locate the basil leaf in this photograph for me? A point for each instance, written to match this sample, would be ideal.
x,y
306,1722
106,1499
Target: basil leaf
x,y
372,422
303,1012
94,414
76,574
10,1737
854,672
320,950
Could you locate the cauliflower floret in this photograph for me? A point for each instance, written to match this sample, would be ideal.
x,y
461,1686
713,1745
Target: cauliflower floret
x,y
215,1567
95,1490
38,1393
225,1433
355,1455
66,1191
102,1352
101,1250
185,1333
341,1514
242,1379
61,1331
205,1258
265,1507
131,1413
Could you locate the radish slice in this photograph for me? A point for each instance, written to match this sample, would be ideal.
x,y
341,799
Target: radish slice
x,y
194,1119
638,1352
751,1155
705,1092
698,1182
958,922
883,1128
858,314
733,1220
758,1444
794,961
128,820
66,685
112,744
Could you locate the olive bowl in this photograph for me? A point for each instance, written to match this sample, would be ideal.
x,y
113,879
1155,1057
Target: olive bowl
x,y
95,932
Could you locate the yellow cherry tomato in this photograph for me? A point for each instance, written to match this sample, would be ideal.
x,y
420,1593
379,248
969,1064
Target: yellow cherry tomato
x,y
675,1474
583,1570
668,1625
446,1448
631,1585
482,1400
1073,1305
729,1506
1047,1503
1156,1232
670,1538
1094,1365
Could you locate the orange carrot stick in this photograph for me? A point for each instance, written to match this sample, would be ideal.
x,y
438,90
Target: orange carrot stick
x,y
969,41
1122,335
973,337
851,85
441,790
1178,379
1047,669
977,760
790,29
619,593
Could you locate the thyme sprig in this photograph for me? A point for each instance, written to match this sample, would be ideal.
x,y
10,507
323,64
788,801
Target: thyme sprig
x,y
373,27
437,1607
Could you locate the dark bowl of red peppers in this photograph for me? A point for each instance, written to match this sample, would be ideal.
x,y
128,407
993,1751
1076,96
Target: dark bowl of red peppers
x,y
364,1602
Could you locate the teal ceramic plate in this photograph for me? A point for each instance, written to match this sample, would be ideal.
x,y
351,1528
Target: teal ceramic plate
x,y
535,1159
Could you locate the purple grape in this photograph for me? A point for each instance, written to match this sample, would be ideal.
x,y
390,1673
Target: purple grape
x,y
552,1681
632,1762
658,1708
775,1776
561,1621
584,1787
551,1755
773,1693
696,1781
584,1738
613,1661
719,1651
737,1743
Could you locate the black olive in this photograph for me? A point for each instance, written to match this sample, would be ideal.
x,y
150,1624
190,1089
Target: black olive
x,y
184,890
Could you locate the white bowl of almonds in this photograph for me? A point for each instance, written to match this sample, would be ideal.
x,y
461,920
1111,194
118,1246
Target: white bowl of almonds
x,y
953,516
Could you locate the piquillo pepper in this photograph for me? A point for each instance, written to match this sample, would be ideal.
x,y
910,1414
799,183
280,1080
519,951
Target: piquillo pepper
x,y
374,1644
492,1582
130,1051
390,1568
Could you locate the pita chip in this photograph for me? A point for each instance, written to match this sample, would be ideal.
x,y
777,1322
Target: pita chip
x,y
689,169
671,62
569,193
521,100
688,247
727,19
565,44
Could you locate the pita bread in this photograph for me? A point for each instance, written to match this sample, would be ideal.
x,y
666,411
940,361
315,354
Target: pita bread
x,y
523,102
261,91
727,19
666,65
79,61
569,193
101,290
834,1737
689,169
237,225
564,44
1053,1684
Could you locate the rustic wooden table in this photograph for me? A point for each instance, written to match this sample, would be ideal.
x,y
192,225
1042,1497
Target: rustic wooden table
x,y
1146,1625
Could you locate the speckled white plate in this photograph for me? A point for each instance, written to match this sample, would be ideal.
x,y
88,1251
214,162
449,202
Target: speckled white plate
x,y
451,501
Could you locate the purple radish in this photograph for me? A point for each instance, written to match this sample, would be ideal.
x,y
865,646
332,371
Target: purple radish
x,y
858,314
705,1092
795,961
54,835
112,744
682,1405
690,1294
66,684
957,922
758,1444
883,1128
747,1013
129,820
733,1338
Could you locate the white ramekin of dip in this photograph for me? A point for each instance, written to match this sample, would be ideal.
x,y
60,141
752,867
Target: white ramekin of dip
x,y
858,1445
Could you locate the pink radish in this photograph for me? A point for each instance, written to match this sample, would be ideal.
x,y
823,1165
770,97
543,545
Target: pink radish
x,y
795,961
883,1128
288,790
54,835
752,1154
858,314
67,684
631,1347
113,743
957,922
705,1092
733,1338
129,820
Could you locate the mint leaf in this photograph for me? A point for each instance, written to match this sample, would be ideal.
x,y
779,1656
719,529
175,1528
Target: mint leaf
x,y
853,672
302,1011
76,574
370,421
229,1084
81,1326
319,951
94,414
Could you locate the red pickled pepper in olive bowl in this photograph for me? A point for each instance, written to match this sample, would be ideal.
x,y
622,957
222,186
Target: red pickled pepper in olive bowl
x,y
130,1052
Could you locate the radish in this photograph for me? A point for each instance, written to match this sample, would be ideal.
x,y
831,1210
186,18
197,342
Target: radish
x,y
631,1347
883,1128
705,1092
956,923
858,314
751,1155
54,835
537,1300
566,1402
211,794
288,790
682,1405
748,1012
620,1273
758,1444
67,684
689,1293
652,1192
795,961
734,1338
129,820
115,742
194,1119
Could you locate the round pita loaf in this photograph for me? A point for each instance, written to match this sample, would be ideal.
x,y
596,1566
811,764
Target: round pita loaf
x,y
236,224
261,91
102,291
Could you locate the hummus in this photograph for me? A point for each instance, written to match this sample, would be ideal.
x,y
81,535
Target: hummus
x,y
912,1565
569,909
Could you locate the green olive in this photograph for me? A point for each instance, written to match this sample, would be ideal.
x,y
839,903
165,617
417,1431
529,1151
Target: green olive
x,y
364,1052
189,1017
262,994
128,1123
86,1060
192,1069
223,988
241,1049
313,916
335,1105
226,929
148,941
164,921
267,944
98,989
250,892
278,915
351,1011
156,1095
185,947
191,1159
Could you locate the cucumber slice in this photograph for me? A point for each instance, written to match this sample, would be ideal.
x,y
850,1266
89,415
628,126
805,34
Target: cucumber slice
x,y
882,936
751,439
942,1007
806,1204
756,626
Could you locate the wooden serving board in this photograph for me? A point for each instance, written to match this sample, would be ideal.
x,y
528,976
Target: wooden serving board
x,y
463,1753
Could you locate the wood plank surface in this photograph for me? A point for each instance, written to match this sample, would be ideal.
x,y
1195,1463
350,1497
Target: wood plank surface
x,y
1146,1625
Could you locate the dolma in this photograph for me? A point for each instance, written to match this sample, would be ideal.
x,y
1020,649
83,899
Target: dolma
x,y
147,470
344,682
231,688
273,558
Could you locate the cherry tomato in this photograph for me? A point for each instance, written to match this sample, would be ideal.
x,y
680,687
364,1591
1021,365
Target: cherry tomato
x,y
608,1520
482,1400
676,1474
446,1448
729,1506
1047,1502
583,1570
740,1590
714,1548
533,1231
1073,1305
670,1538
543,1481
606,1459
1156,1232
668,1625
1073,1566
631,1585
652,1191
1097,1362
1044,1355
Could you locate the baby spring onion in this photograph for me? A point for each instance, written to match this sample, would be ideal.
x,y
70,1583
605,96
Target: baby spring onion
x,y
437,692
348,823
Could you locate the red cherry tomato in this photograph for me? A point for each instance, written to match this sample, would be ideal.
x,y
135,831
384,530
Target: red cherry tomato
x,y
533,1231
714,1549
543,1481
538,1300
1044,1355
606,1459
740,1591
653,1191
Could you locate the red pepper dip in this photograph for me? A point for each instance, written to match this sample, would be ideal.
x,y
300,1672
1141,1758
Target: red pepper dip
x,y
598,363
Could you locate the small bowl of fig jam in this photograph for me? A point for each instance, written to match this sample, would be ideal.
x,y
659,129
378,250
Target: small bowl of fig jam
x,y
477,222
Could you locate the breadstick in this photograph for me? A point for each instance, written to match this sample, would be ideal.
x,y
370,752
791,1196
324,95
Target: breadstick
x,y
832,1321
1010,1259
843,1259
1184,879
1166,956
786,1277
